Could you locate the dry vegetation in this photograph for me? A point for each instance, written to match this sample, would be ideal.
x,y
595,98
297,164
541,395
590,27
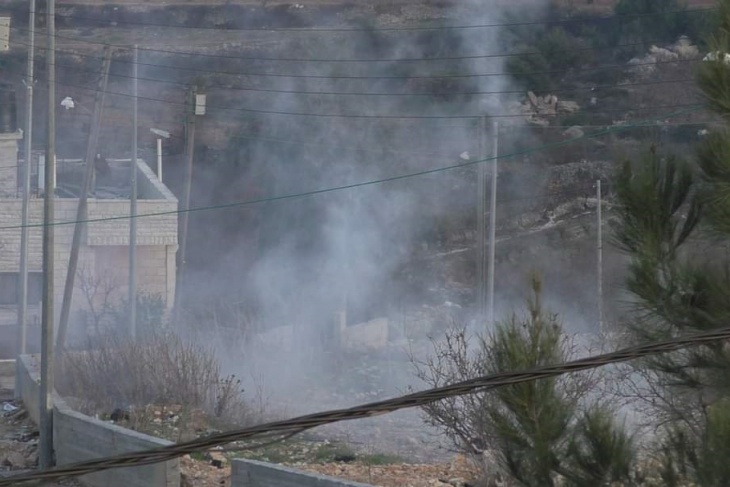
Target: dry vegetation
x,y
163,385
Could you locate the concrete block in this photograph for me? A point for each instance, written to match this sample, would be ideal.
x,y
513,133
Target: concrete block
x,y
250,473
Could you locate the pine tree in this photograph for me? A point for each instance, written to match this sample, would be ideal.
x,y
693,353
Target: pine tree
x,y
673,221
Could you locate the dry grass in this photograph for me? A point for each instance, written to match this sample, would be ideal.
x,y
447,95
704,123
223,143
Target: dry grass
x,y
164,370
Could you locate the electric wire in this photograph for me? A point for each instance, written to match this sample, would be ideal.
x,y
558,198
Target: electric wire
x,y
358,115
305,194
368,77
127,48
403,94
303,423
574,20
385,150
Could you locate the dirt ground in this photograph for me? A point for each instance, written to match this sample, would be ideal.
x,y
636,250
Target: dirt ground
x,y
456,474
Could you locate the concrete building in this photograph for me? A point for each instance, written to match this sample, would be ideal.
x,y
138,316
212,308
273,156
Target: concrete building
x,y
103,258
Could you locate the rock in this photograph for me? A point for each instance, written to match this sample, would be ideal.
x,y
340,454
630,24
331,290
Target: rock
x,y
685,49
551,101
662,54
540,122
716,56
567,106
31,455
15,460
186,481
574,132
457,482
217,459
643,66
533,99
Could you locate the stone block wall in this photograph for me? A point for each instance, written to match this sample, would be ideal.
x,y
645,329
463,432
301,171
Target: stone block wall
x,y
9,164
104,243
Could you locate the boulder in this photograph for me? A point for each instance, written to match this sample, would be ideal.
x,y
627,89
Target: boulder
x,y
662,54
567,106
15,460
574,132
685,49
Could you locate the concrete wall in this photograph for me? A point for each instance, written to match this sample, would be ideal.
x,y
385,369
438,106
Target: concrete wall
x,y
149,186
7,374
77,438
250,473
27,385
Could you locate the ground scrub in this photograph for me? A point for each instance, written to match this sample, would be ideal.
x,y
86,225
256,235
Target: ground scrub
x,y
162,378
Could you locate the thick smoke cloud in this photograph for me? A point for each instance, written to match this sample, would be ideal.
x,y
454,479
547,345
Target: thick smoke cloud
x,y
314,257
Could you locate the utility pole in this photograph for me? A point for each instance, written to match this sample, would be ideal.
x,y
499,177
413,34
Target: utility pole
x,y
159,159
481,220
46,389
599,196
23,282
492,224
189,153
83,204
133,210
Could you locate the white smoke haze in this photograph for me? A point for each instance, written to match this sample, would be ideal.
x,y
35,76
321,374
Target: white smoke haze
x,y
367,250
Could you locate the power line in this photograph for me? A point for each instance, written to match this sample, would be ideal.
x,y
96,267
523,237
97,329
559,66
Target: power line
x,y
352,148
417,399
575,20
126,47
429,94
366,183
392,60
359,116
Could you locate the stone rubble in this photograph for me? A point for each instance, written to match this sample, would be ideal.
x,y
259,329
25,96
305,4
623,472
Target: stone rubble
x,y
538,110
19,440
646,65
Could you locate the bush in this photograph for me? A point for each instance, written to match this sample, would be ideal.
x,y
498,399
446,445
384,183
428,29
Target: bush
x,y
162,370
150,314
538,431
543,56
659,21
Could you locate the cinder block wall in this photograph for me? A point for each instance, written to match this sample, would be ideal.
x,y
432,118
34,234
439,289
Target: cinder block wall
x,y
157,245
250,473
9,163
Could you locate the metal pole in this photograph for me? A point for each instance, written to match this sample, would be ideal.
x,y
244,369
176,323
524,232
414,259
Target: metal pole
x,y
73,258
46,389
189,153
600,255
492,224
133,211
23,283
481,220
159,159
